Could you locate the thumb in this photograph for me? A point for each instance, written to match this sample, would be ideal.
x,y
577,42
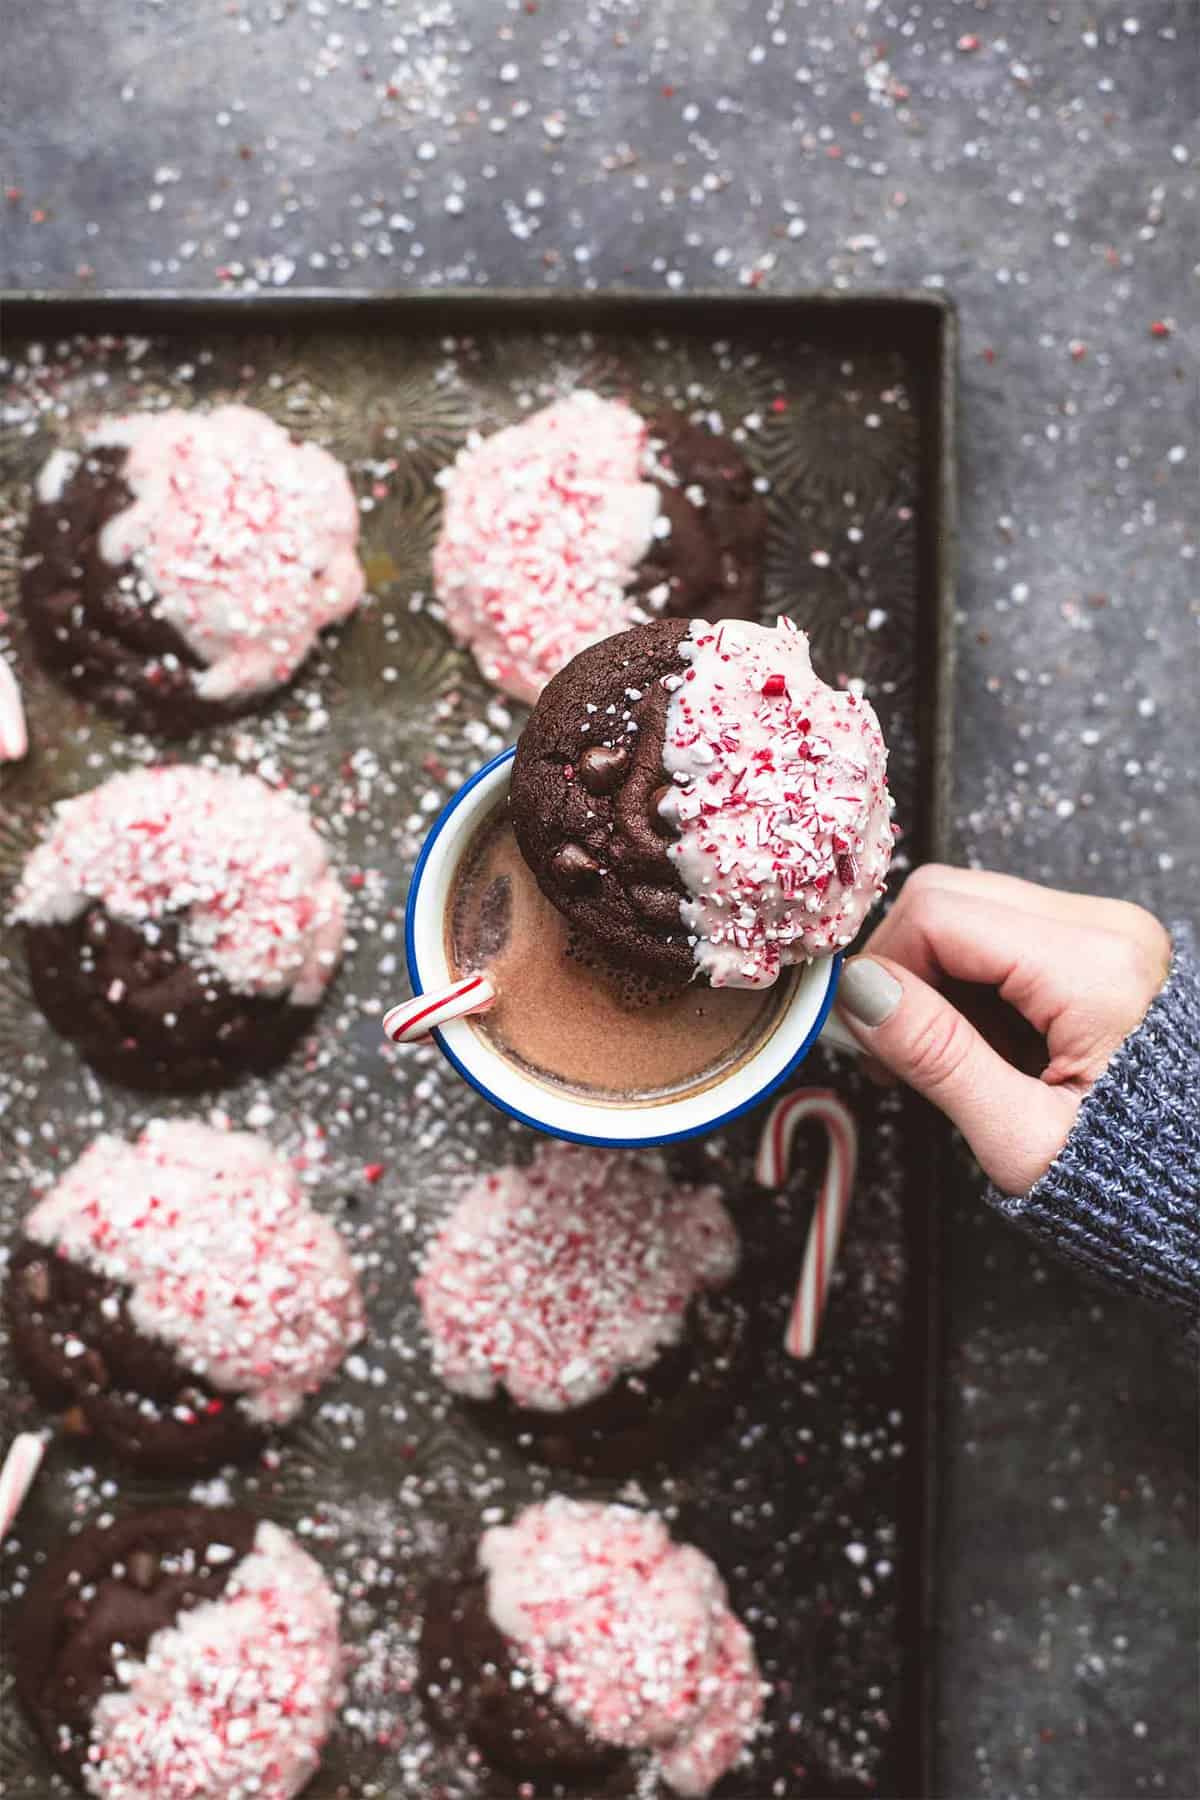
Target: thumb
x,y
1015,1124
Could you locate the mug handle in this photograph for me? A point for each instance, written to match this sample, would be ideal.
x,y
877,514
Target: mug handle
x,y
836,1037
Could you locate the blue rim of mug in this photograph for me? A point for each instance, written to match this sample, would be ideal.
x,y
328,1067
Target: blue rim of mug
x,y
582,1137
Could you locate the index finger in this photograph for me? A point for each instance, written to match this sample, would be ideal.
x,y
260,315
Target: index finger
x,y
968,938
1031,897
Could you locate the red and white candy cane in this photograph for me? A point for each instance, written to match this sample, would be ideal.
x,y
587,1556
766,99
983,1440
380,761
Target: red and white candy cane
x,y
837,1184
416,1018
14,738
22,1463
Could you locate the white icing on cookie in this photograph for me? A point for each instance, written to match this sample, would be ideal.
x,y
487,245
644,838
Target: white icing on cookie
x,y
544,524
779,795
235,1699
244,539
554,1279
237,863
631,1633
226,1260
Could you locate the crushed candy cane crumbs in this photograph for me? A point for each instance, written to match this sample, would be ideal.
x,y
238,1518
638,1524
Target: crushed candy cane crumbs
x,y
553,1280
544,524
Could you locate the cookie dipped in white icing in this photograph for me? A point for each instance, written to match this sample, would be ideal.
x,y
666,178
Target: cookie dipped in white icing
x,y
552,1280
240,537
236,1698
236,864
543,527
213,1249
630,1634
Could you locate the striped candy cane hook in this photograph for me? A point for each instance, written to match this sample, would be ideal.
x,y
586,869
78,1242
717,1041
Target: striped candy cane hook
x,y
14,739
415,1019
837,1184
22,1463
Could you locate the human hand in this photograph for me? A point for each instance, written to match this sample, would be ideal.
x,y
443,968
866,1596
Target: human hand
x,y
1082,971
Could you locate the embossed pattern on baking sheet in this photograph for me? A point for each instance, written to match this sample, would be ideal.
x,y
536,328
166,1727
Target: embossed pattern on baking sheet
x,y
805,1499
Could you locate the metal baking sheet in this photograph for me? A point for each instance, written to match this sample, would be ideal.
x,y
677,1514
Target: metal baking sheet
x,y
816,1497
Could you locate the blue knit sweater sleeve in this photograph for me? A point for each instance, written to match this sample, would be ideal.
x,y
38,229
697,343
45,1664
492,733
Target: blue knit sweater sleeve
x,y
1122,1200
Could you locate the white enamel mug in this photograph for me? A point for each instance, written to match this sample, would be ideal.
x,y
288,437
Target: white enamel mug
x,y
541,1105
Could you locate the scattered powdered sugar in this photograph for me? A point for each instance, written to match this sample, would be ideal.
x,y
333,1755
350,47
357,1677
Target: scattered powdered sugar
x,y
237,864
544,524
225,1259
236,1698
631,1633
779,794
238,536
554,1279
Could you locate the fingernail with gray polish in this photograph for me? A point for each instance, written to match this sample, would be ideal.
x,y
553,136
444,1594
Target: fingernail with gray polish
x,y
867,992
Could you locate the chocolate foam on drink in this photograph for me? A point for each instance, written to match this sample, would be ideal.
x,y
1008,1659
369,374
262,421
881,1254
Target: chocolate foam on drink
x,y
566,1015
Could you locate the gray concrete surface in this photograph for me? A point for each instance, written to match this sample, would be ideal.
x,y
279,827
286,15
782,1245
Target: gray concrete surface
x,y
1039,163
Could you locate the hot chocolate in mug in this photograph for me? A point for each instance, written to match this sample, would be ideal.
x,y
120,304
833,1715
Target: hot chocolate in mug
x,y
745,1044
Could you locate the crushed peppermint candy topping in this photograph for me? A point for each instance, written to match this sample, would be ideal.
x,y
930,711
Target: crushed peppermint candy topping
x,y
631,1633
235,863
779,795
238,536
224,1258
552,1281
235,1699
544,524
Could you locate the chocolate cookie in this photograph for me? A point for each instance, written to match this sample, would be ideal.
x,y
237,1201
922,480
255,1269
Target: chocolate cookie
x,y
181,925
474,1689
90,627
581,1305
153,1652
181,566
173,1028
584,519
72,1337
586,781
580,1644
699,803
657,1417
142,1304
711,558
